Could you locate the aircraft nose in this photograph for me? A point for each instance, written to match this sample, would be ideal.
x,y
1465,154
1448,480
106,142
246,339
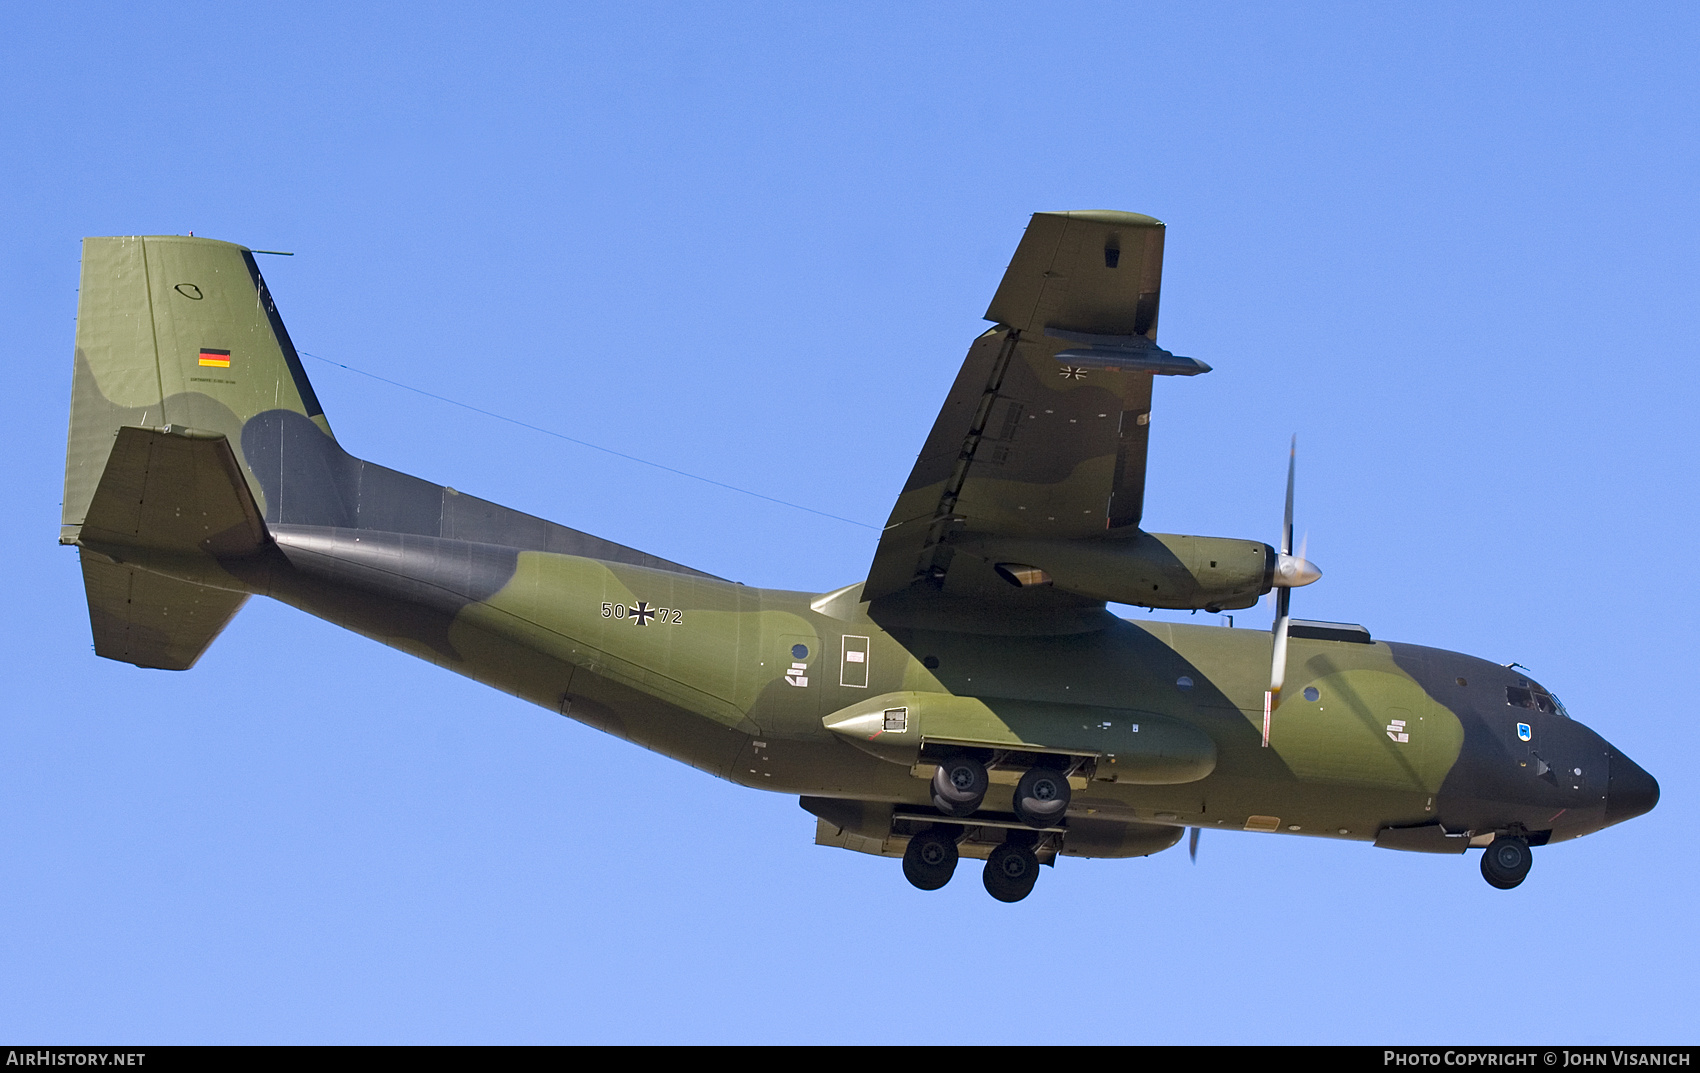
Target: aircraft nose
x,y
1630,791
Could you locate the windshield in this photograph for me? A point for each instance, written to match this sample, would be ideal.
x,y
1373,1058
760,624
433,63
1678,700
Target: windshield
x,y
1531,695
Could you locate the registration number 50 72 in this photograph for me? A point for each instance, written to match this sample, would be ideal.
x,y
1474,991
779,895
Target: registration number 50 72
x,y
641,614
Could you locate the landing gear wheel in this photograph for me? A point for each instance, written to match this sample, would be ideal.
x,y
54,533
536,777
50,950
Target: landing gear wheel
x,y
959,786
1041,798
1010,872
1506,861
930,860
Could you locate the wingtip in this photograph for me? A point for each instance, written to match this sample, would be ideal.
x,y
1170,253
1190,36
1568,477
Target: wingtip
x,y
1108,216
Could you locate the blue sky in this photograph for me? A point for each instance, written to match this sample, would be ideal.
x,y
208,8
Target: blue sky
x,y
1451,247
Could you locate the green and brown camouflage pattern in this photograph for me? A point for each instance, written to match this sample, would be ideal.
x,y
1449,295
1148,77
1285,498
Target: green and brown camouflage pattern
x,y
190,487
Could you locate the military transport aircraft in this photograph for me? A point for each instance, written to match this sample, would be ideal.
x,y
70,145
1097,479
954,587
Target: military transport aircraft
x,y
971,697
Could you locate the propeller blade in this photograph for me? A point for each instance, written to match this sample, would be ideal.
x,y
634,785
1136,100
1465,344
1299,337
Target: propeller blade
x,y
1277,670
1192,845
1289,571
1278,665
1292,571
1287,519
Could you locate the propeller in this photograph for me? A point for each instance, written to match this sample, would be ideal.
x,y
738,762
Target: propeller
x,y
1291,571
1192,844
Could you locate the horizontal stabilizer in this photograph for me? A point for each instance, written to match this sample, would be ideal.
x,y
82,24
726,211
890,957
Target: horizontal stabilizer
x,y
152,620
175,490
165,494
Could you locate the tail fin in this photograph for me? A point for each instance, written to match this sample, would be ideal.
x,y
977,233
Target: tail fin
x,y
179,347
196,440
174,331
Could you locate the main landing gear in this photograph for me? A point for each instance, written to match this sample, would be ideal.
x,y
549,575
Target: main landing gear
x,y
958,789
930,860
1506,861
931,857
959,786
1041,797
1011,871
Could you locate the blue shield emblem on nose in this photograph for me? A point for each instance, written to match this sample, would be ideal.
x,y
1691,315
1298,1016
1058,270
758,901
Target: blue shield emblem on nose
x,y
1524,732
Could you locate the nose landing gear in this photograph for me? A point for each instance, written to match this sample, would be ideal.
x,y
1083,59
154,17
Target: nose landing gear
x,y
1506,861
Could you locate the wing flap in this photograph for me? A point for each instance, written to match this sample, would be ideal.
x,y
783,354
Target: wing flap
x,y
924,508
1057,464
1022,447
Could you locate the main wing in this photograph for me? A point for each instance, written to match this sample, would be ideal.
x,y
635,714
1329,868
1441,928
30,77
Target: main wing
x,y
1044,433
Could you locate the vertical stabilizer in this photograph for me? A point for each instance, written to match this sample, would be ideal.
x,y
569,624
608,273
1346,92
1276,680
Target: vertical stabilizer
x,y
196,442
173,331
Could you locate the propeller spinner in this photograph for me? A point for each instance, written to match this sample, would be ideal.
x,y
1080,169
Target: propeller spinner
x,y
1291,571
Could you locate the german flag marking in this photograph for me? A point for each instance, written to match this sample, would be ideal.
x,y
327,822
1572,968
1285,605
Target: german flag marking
x,y
218,359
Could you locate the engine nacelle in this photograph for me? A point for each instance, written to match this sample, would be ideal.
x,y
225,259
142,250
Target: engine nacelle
x,y
1147,569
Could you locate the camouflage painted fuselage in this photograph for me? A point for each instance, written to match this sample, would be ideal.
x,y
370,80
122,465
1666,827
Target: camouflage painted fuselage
x,y
720,686
200,470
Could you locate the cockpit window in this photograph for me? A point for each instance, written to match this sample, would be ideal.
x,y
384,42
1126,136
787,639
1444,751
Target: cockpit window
x,y
1530,695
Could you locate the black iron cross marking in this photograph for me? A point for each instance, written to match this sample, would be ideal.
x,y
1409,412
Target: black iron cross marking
x,y
642,613
1072,372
